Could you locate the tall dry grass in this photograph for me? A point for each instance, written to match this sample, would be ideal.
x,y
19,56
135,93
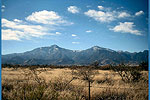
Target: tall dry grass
x,y
57,84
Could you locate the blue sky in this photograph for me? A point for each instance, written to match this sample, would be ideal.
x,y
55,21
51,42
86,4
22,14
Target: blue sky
x,y
74,24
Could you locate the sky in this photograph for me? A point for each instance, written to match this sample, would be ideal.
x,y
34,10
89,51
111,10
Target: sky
x,y
74,24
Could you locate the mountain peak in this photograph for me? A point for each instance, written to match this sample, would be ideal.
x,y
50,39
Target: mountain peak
x,y
55,46
101,48
96,48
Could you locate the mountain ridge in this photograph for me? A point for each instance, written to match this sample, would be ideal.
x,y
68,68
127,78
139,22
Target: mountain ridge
x,y
60,56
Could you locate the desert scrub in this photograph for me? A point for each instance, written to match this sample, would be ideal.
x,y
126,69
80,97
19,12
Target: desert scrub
x,y
26,91
62,87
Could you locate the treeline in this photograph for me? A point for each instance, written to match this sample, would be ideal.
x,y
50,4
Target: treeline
x,y
95,65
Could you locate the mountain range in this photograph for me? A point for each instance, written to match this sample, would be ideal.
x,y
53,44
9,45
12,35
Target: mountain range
x,y
56,55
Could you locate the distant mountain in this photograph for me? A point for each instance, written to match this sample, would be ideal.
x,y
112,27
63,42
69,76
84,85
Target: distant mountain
x,y
59,56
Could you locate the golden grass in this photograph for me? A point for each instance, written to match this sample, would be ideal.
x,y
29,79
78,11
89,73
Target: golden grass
x,y
106,81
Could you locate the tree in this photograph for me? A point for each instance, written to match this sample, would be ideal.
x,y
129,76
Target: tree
x,y
127,73
85,73
95,64
144,65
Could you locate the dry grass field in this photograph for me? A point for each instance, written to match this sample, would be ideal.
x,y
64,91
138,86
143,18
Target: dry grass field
x,y
58,84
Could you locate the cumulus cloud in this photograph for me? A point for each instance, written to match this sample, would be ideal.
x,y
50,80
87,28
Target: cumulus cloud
x,y
89,31
46,17
106,16
100,15
100,7
9,34
18,29
123,14
139,13
75,42
74,35
21,30
126,27
73,9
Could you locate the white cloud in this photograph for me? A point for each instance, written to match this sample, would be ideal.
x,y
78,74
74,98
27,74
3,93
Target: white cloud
x,y
9,34
16,20
73,9
3,6
100,15
58,33
88,31
106,16
123,14
46,17
74,35
21,30
126,27
23,27
75,42
139,13
100,7
18,29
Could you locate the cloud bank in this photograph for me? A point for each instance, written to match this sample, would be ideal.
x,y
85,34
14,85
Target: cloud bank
x,y
37,24
106,16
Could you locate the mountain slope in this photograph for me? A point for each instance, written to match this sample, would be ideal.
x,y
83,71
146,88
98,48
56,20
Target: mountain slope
x,y
60,56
